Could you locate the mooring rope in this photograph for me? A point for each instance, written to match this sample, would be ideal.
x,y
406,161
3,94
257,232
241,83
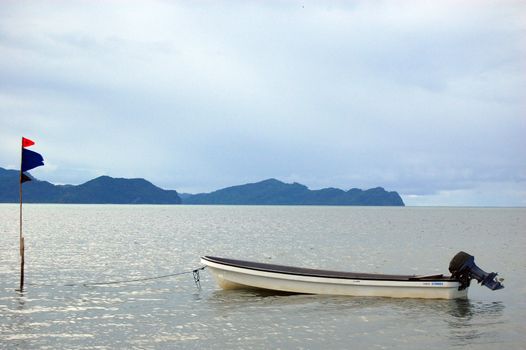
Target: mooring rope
x,y
194,272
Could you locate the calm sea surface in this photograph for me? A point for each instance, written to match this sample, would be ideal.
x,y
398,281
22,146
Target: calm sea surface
x,y
68,246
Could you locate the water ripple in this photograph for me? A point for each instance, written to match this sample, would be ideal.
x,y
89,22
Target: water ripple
x,y
68,245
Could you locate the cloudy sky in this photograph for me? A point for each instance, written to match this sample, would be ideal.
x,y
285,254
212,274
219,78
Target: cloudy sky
x,y
427,98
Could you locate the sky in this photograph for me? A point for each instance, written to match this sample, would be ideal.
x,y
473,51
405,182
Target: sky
x,y
426,98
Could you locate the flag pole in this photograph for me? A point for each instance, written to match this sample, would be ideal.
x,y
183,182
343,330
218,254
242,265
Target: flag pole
x,y
21,234
28,160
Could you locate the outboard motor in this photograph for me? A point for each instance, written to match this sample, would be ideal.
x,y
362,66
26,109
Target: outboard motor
x,y
463,268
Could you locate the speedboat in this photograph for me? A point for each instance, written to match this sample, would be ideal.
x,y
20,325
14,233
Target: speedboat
x,y
240,274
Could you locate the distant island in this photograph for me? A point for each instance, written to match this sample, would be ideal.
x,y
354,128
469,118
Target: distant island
x,y
275,192
108,190
102,190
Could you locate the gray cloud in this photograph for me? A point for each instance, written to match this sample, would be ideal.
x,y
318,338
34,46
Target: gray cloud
x,y
423,98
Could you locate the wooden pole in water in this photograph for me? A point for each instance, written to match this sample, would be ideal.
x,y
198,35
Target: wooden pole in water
x,y
21,234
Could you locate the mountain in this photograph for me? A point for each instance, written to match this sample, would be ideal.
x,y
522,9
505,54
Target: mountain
x,y
275,192
108,190
102,190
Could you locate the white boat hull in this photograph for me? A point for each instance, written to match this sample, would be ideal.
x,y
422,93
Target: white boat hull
x,y
233,277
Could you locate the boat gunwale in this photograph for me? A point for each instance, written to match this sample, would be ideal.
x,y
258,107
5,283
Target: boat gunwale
x,y
308,272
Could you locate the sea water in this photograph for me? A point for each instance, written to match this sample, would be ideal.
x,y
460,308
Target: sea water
x,y
69,248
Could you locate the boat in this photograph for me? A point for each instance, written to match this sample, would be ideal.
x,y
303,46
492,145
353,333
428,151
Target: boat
x,y
241,274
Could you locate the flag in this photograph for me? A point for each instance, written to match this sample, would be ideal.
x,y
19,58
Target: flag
x,y
30,160
27,142
24,178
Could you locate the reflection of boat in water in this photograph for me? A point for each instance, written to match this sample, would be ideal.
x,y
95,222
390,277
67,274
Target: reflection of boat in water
x,y
464,310
470,321
239,274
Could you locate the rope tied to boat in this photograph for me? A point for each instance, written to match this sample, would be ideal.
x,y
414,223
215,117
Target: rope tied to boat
x,y
197,278
194,272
